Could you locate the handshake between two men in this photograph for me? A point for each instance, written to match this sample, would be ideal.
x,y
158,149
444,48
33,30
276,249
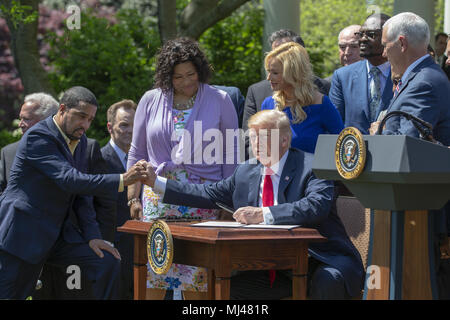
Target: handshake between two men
x,y
143,172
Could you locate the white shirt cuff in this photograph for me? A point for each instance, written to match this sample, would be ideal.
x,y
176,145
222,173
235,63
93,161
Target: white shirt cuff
x,y
268,217
160,185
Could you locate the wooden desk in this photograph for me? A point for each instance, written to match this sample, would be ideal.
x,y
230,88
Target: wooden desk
x,y
221,250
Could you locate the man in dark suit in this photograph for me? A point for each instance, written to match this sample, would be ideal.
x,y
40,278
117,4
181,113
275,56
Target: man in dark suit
x,y
46,181
120,126
440,42
37,106
424,91
362,90
257,92
278,187
54,277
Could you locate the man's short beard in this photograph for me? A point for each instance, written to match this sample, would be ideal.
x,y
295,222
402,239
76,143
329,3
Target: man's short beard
x,y
71,137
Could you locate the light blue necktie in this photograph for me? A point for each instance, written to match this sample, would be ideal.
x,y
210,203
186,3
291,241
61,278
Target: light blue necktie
x,y
374,92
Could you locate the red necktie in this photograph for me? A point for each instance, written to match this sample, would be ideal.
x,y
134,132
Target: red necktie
x,y
267,201
267,194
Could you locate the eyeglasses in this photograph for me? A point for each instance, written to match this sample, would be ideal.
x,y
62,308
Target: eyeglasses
x,y
372,34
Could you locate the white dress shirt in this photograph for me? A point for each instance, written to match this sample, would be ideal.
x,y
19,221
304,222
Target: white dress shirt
x,y
120,153
277,168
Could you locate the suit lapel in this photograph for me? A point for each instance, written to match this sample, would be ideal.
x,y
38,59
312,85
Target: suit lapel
x,y
387,95
114,160
411,76
254,184
286,177
359,80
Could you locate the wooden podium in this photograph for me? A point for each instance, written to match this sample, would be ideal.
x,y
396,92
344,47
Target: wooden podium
x,y
221,250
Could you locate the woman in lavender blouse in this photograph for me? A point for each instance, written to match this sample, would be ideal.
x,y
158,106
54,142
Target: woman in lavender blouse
x,y
180,129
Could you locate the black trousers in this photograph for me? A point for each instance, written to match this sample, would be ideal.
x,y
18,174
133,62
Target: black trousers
x,y
324,282
18,278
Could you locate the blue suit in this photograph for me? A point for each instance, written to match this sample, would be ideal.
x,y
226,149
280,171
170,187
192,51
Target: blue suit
x,y
350,94
302,199
425,94
124,242
45,183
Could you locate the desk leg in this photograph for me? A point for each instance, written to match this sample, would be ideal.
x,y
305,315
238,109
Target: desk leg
x,y
223,288
140,267
211,284
300,273
222,272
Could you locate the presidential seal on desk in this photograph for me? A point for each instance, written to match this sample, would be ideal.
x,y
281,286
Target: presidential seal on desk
x,y
160,247
350,153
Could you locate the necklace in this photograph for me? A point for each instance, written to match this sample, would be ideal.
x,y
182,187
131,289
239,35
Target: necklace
x,y
290,100
187,105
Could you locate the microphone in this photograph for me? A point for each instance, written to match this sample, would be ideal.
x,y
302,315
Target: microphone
x,y
425,128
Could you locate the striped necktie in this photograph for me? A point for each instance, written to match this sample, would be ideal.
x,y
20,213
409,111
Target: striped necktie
x,y
374,92
397,88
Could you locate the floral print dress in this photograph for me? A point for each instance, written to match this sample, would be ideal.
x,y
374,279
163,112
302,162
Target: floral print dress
x,y
179,277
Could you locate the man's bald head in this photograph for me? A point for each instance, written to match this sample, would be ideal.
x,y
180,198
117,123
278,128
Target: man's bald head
x,y
349,45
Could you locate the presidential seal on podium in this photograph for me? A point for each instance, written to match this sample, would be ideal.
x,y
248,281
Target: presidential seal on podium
x,y
160,247
350,153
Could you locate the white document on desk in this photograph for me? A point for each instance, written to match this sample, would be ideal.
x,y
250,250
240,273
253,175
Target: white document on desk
x,y
234,224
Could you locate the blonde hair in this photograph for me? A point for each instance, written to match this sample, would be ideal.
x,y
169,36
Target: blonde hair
x,y
297,71
271,119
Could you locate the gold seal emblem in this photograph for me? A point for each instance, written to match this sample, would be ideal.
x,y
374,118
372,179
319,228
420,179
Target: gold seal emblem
x,y
350,153
160,247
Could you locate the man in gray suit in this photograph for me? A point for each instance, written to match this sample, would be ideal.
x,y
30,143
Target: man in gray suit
x,y
37,106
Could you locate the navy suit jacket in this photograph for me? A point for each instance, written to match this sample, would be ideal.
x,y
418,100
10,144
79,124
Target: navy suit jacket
x,y
350,94
302,199
46,181
7,155
426,95
105,207
114,165
238,100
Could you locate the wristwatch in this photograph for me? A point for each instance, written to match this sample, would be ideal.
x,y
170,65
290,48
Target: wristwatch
x,y
134,200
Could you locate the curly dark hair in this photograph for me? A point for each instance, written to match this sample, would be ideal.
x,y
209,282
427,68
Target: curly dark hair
x,y
178,51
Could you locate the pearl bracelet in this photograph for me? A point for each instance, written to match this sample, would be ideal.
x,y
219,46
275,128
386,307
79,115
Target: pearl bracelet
x,y
134,200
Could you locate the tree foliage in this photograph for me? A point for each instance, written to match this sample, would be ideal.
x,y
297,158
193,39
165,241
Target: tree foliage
x,y
234,47
114,52
321,22
194,17
114,60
